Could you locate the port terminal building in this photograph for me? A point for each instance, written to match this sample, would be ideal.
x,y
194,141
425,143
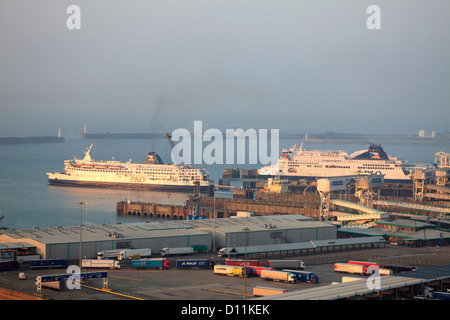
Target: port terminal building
x,y
64,242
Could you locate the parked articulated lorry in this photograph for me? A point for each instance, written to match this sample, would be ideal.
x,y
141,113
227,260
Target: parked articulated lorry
x,y
129,253
231,271
183,250
109,254
286,264
155,263
275,275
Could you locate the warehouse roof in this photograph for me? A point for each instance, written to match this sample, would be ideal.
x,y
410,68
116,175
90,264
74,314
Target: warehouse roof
x,y
158,228
103,232
15,245
308,245
259,223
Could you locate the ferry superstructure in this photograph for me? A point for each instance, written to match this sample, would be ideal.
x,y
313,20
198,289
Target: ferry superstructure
x,y
297,163
151,174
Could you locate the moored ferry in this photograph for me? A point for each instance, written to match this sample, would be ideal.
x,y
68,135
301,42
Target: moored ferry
x,y
151,174
297,163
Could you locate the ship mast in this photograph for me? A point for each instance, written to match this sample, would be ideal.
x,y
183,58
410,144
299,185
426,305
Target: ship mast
x,y
87,157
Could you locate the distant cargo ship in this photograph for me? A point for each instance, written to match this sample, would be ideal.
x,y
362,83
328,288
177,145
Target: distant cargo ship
x,y
151,174
296,163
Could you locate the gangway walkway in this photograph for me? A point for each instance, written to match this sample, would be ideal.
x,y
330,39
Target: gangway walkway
x,y
438,188
441,192
356,206
361,287
411,205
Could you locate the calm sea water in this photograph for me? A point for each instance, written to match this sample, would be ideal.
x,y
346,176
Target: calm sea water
x,y
27,200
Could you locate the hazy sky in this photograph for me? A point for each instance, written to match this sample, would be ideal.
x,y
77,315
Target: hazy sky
x,y
157,65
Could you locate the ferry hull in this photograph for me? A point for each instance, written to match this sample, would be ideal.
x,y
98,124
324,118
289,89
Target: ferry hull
x,y
129,186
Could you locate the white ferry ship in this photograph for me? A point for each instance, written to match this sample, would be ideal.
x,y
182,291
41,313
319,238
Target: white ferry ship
x,y
296,163
151,174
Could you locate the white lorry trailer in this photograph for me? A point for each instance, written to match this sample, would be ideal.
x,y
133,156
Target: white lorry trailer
x,y
109,254
349,268
96,263
139,253
274,275
198,248
286,264
175,251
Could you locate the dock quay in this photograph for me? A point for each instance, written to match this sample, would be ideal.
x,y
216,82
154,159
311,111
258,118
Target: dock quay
x,y
262,202
265,204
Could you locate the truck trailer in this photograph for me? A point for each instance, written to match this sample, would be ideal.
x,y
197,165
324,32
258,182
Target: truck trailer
x,y
349,268
6,265
183,250
231,271
360,269
109,254
275,275
194,264
155,263
129,253
286,264
48,263
256,271
241,263
226,251
96,263
304,276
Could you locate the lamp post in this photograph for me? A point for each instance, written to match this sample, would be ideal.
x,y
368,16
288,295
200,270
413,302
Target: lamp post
x,y
214,221
245,263
81,232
